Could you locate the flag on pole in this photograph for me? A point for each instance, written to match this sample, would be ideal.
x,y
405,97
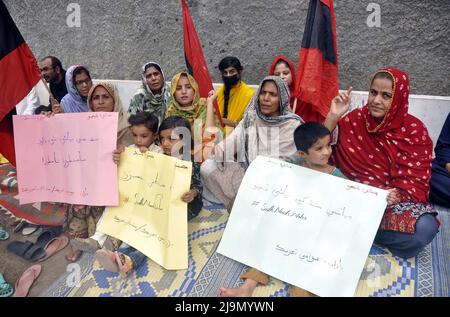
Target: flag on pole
x,y
317,76
195,60
19,73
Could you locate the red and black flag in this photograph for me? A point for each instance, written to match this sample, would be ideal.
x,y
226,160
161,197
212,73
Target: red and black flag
x,y
19,73
317,77
195,60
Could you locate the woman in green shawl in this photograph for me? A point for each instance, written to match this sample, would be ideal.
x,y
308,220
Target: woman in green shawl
x,y
154,94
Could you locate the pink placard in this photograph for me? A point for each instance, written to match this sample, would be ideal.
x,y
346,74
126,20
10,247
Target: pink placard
x,y
67,158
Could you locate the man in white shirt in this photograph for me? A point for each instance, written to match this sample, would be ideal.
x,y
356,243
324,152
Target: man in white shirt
x,y
29,104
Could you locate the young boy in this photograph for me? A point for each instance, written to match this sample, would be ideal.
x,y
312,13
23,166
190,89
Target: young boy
x,y
313,142
126,259
144,127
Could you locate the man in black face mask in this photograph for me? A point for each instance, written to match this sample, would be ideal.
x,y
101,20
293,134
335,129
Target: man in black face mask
x,y
235,95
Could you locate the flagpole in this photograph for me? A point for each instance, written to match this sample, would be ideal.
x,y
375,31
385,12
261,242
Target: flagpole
x,y
48,89
198,70
294,108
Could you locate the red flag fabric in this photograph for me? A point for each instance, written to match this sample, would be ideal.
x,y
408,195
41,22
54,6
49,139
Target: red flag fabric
x,y
317,76
19,73
195,60
7,138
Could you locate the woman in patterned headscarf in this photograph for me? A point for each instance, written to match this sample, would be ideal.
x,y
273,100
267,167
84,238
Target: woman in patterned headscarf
x,y
267,129
104,97
154,94
186,103
383,146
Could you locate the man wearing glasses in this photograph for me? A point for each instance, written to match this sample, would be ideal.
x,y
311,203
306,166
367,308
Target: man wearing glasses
x,y
54,74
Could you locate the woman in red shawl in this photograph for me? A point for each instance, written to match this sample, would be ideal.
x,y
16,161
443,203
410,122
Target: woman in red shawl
x,y
285,69
383,146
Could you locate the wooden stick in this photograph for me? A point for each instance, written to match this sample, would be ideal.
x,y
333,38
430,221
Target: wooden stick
x,y
295,105
48,89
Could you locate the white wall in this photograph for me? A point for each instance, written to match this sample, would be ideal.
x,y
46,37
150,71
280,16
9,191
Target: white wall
x,y
432,110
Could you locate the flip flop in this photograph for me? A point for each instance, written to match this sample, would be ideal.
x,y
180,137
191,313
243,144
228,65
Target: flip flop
x,y
55,246
34,253
30,229
20,248
37,251
39,231
22,224
26,280
6,289
4,235
47,235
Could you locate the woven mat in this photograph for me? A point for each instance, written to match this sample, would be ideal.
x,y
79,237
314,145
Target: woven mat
x,y
384,275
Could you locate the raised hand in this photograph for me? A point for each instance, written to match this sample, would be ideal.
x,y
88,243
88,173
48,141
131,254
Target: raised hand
x,y
340,104
212,96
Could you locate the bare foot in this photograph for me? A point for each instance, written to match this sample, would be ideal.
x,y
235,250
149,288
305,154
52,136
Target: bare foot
x,y
235,292
87,245
107,260
300,292
246,290
74,255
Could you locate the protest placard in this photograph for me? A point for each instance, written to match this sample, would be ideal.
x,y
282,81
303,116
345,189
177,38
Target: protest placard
x,y
67,158
151,216
306,228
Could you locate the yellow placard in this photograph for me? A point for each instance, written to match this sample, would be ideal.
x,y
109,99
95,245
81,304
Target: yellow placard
x,y
151,216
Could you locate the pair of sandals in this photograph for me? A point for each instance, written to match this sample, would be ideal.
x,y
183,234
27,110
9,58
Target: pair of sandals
x,y
48,243
4,235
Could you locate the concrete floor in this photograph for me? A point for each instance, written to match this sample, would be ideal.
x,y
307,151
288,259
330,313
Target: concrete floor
x,y
13,266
